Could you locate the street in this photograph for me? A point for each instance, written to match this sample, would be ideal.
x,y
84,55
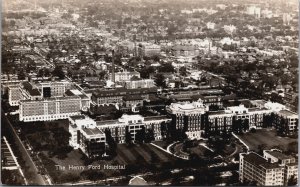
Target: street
x,y
35,177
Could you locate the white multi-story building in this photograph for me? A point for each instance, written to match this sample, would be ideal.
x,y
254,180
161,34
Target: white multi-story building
x,y
148,49
85,135
130,124
53,89
272,169
143,83
286,18
254,10
210,25
188,116
230,29
51,108
125,76
14,95
36,91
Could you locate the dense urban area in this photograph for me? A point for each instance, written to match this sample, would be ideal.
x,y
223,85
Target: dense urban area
x,y
149,92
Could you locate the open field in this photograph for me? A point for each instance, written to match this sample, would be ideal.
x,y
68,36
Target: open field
x,y
266,138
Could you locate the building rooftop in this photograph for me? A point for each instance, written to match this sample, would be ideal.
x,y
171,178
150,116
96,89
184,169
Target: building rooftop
x,y
220,112
132,97
279,155
259,161
150,118
32,91
287,113
92,131
76,117
256,109
107,122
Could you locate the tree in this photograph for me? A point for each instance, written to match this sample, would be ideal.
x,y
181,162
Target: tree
x,y
166,68
149,136
246,125
292,181
112,145
58,72
128,138
140,135
213,107
160,80
21,75
145,72
183,71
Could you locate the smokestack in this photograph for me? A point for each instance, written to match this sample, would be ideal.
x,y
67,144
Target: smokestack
x,y
113,66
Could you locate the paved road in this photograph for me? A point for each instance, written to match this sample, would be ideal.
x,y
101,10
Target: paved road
x,y
35,177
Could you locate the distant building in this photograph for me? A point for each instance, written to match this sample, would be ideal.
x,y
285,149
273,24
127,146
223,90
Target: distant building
x,y
286,18
272,169
125,76
184,50
254,10
115,96
230,29
143,83
210,25
148,49
132,102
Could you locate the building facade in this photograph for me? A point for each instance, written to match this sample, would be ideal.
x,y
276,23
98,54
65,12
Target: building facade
x,y
86,136
188,117
49,109
124,76
135,84
130,124
272,169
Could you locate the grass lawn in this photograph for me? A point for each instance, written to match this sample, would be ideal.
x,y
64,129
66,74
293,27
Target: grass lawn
x,y
265,137
199,150
162,144
141,156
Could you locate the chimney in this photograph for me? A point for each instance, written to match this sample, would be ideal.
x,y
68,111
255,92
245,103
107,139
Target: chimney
x,y
113,67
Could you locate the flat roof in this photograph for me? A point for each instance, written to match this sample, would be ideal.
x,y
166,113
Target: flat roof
x,y
150,118
92,131
259,161
76,117
107,122
132,97
219,112
279,155
256,109
287,113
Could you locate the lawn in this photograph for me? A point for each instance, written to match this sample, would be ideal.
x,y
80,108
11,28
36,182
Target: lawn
x,y
162,144
136,158
267,138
